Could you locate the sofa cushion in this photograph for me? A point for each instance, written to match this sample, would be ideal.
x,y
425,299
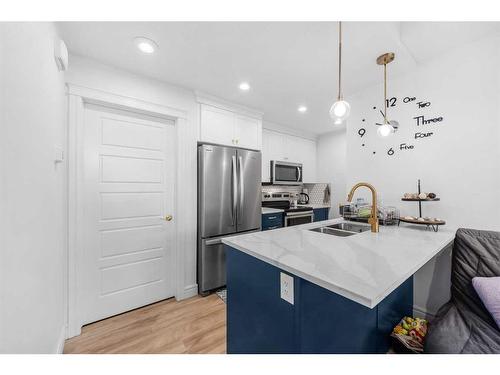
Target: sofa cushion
x,y
464,325
475,254
488,289
457,331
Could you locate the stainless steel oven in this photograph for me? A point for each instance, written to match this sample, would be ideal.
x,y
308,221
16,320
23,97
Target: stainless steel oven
x,y
284,173
297,218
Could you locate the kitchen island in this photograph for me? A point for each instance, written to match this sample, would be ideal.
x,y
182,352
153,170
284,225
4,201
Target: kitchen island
x,y
294,290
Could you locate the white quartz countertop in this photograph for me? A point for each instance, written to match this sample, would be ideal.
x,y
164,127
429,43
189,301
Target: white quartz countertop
x,y
365,267
268,210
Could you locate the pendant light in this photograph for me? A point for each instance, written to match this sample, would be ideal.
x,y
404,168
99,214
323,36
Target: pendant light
x,y
339,111
388,127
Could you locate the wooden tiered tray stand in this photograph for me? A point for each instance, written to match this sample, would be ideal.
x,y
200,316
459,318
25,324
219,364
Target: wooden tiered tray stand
x,y
433,224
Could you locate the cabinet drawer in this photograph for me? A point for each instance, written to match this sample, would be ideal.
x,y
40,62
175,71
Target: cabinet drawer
x,y
321,214
272,221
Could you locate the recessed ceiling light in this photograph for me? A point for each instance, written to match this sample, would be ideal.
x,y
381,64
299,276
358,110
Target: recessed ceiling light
x,y
145,45
244,86
302,109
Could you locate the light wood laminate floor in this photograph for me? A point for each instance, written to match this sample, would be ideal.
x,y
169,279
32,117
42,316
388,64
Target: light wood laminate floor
x,y
195,325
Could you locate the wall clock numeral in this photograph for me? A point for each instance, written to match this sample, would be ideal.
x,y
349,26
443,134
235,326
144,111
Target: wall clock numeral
x,y
361,132
390,152
391,102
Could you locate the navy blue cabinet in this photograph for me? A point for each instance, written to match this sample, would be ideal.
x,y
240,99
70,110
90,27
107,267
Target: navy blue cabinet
x,y
321,214
272,221
319,321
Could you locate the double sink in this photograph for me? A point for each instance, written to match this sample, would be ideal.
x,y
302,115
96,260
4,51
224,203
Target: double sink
x,y
342,229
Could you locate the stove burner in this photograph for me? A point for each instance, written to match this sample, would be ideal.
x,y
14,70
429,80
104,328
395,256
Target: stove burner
x,y
285,205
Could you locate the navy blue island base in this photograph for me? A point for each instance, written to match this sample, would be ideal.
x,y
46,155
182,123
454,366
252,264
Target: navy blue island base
x,y
319,321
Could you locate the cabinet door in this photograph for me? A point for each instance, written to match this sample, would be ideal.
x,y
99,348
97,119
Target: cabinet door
x,y
293,148
308,156
248,132
217,125
272,149
276,144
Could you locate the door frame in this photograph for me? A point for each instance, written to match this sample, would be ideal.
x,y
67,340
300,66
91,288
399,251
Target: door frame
x,y
78,96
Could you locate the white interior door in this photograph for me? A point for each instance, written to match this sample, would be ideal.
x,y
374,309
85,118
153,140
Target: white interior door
x,y
128,191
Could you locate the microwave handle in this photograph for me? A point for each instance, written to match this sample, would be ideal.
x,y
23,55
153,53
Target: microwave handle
x,y
299,174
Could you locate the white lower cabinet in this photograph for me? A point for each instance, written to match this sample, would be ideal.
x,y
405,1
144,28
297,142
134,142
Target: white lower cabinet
x,y
225,127
290,148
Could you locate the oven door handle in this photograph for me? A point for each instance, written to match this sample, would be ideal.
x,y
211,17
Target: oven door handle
x,y
298,216
299,174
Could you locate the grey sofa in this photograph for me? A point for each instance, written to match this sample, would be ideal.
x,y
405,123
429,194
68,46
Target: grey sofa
x,y
463,325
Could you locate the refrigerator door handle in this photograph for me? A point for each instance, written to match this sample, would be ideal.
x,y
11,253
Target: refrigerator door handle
x,y
242,186
234,190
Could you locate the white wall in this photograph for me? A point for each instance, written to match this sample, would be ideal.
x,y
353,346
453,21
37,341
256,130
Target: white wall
x,y
32,190
459,162
331,166
95,75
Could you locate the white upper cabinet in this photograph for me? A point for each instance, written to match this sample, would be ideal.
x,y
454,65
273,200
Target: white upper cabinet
x,y
285,147
231,126
308,159
248,132
272,149
216,125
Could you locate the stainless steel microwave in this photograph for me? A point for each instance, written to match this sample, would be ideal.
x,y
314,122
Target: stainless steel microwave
x,y
284,173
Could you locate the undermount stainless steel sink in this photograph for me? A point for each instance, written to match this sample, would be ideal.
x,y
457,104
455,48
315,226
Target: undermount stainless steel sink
x,y
342,229
351,227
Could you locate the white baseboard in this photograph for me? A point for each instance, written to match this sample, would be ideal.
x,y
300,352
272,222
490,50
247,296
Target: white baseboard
x,y
422,313
60,341
189,291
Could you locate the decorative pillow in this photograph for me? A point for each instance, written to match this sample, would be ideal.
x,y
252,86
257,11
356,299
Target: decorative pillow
x,y
488,289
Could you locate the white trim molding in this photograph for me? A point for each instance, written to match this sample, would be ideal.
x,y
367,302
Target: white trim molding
x,y
289,131
204,98
422,313
185,191
60,341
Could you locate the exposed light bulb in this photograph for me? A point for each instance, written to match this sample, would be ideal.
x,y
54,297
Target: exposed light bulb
x,y
340,111
385,130
302,109
338,121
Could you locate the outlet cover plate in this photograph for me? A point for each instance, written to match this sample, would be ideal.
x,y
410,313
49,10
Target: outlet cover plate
x,y
286,287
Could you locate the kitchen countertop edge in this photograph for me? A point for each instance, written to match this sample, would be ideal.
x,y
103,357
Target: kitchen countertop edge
x,y
369,302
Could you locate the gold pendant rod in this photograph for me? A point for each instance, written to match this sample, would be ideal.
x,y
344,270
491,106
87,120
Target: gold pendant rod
x,y
385,93
339,97
385,59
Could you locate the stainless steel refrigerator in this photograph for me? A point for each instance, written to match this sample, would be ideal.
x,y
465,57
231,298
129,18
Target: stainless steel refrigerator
x,y
229,203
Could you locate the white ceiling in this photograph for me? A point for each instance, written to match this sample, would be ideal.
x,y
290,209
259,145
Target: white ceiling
x,y
286,63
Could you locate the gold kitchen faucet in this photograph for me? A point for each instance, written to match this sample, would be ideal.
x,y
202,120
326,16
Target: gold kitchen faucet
x,y
373,220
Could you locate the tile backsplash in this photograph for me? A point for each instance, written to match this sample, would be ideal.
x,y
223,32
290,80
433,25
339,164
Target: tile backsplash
x,y
317,192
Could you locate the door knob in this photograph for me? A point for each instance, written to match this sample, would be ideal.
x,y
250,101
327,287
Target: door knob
x,y
168,217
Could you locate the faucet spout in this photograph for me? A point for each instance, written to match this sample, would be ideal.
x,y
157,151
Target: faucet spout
x,y
373,220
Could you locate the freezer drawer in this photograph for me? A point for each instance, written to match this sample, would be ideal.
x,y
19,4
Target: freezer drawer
x,y
211,264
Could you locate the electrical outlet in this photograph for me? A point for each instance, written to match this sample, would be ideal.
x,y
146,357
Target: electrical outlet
x,y
286,288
